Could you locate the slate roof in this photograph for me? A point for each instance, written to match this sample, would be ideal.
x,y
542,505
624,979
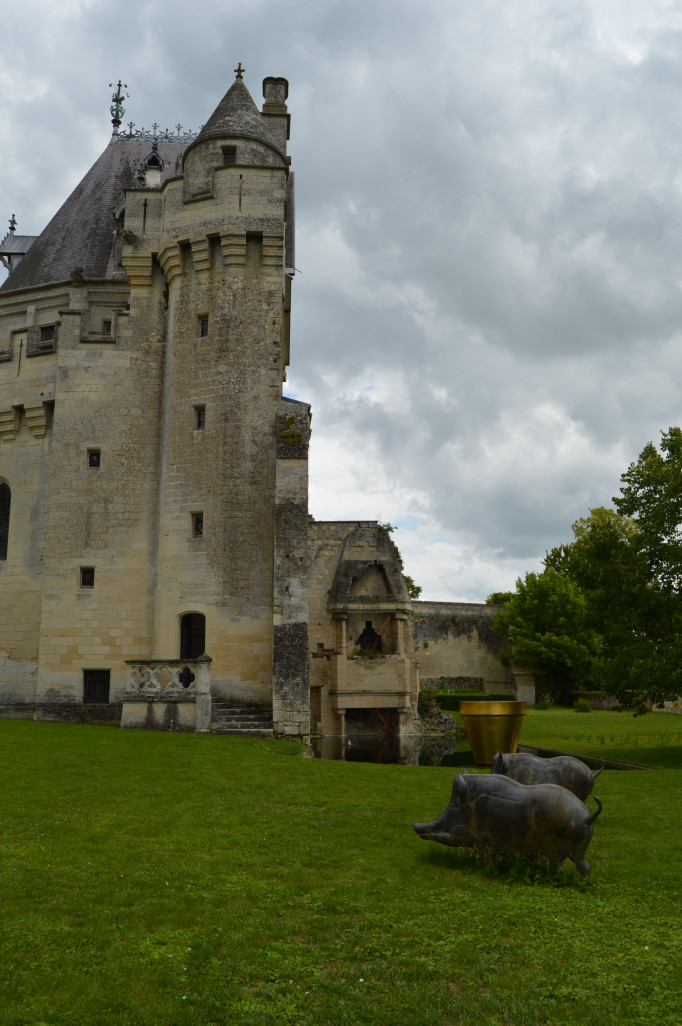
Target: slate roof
x,y
17,243
237,116
81,234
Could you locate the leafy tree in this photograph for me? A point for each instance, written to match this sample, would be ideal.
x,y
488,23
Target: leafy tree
x,y
605,562
651,492
650,663
626,568
546,619
628,565
499,598
413,590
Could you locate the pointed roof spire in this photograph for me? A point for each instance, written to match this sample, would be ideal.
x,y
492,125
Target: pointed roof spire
x,y
237,116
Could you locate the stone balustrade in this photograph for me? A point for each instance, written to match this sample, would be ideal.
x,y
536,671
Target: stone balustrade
x,y
163,678
181,684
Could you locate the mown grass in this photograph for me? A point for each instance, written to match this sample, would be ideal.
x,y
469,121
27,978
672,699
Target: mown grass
x,y
652,740
158,878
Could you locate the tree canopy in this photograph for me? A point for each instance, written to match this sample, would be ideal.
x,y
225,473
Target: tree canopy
x,y
651,492
625,566
499,598
546,619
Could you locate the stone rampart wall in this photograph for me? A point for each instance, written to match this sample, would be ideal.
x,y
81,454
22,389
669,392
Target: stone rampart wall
x,y
455,641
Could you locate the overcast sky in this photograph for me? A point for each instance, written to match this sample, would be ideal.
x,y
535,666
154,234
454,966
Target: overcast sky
x,y
488,319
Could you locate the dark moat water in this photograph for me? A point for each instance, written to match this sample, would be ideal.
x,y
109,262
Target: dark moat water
x,y
414,750
409,750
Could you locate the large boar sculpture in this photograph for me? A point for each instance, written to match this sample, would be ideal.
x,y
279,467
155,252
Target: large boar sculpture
x,y
563,770
494,813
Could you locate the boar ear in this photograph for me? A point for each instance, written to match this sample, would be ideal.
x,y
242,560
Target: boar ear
x,y
461,787
497,760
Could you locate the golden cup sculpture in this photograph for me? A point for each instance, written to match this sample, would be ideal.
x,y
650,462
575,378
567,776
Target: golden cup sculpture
x,y
492,727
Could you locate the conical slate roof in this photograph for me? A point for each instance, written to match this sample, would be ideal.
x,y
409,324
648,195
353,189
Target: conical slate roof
x,y
82,232
237,116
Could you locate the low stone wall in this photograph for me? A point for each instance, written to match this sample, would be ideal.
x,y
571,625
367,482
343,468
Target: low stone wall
x,y
597,699
105,713
453,683
669,707
159,715
436,722
17,711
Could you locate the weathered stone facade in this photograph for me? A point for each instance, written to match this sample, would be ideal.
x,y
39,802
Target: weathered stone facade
x,y
457,646
154,478
362,653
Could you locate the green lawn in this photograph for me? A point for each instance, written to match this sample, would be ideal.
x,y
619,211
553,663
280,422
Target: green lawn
x,y
652,740
158,878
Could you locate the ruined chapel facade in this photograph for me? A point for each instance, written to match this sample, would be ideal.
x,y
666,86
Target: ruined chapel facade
x,y
158,564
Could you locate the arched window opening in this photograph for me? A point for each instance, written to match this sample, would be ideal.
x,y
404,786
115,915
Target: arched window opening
x,y
192,635
5,502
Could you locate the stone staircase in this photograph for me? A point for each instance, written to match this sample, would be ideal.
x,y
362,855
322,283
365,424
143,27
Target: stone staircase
x,y
245,722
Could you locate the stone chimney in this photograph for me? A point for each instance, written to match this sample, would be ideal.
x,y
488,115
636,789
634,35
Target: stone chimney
x,y
275,91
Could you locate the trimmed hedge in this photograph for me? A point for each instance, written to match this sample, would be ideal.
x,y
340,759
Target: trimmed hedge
x,y
450,702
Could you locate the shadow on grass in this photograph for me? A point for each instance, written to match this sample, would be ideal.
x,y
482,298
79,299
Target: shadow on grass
x,y
506,867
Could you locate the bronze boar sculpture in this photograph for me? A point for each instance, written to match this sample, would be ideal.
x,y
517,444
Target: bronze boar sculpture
x,y
563,770
495,813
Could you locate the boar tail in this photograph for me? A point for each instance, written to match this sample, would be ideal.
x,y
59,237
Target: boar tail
x,y
598,812
595,775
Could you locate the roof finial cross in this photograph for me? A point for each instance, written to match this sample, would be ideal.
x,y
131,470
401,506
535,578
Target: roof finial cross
x,y
239,71
117,109
12,225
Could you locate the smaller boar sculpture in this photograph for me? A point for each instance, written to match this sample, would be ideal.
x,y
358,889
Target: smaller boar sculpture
x,y
563,770
495,813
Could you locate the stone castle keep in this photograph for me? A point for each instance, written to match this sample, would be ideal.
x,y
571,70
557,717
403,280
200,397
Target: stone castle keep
x,y
158,564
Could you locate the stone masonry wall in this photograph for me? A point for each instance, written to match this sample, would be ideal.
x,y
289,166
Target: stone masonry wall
x,y
326,540
26,402
356,575
456,641
107,398
290,669
226,471
179,516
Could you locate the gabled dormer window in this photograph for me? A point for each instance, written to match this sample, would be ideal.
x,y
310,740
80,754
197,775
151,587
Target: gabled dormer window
x,y
151,168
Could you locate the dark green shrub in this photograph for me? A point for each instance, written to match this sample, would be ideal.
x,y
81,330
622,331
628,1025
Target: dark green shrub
x,y
426,701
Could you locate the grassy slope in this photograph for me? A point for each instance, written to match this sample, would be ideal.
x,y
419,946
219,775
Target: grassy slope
x,y
157,878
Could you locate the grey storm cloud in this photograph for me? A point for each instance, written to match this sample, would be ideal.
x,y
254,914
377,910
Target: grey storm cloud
x,y
487,315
